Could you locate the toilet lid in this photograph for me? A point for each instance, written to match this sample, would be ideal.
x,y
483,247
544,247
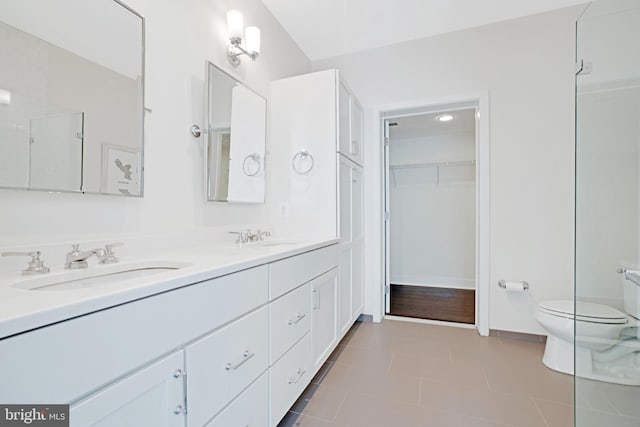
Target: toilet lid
x,y
586,311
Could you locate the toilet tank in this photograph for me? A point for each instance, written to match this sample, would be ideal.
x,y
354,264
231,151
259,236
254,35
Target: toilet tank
x,y
631,291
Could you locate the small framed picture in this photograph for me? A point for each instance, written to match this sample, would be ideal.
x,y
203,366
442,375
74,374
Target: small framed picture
x,y
120,170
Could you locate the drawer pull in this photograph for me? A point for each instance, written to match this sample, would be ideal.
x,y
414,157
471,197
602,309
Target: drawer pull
x,y
299,374
316,299
245,358
178,410
298,318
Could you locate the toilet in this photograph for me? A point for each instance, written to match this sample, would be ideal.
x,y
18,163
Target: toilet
x,y
607,347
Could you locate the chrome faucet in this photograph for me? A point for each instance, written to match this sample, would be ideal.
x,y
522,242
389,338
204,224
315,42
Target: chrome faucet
x,y
77,259
250,236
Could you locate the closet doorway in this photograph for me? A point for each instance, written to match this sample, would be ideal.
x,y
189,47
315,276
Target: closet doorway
x,y
431,213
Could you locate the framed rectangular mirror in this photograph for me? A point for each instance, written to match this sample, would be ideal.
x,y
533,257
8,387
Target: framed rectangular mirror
x,y
71,96
236,134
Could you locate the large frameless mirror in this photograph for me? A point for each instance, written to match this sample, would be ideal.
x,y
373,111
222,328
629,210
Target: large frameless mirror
x,y
236,127
71,96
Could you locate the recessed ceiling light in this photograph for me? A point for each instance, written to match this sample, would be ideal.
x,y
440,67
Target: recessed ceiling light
x,y
445,117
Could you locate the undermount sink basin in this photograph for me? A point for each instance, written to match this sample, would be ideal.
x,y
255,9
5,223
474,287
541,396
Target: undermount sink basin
x,y
98,275
279,242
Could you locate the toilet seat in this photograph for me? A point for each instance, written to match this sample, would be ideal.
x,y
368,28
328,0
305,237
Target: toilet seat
x,y
586,312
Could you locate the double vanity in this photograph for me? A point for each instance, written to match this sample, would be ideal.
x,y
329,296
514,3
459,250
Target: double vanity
x,y
217,336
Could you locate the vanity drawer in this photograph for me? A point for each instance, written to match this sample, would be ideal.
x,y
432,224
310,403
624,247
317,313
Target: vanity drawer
x,y
290,320
250,409
290,273
289,377
222,364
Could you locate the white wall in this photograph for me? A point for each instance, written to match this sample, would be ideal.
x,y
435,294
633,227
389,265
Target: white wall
x,y
528,67
432,211
608,192
180,36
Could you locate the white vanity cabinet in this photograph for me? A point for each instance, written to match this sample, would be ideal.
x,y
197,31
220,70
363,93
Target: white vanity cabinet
x,y
236,350
319,115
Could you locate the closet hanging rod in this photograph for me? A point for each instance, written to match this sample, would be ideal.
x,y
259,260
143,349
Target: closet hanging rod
x,y
433,164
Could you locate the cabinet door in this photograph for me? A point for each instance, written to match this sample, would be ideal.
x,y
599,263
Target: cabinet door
x,y
324,328
344,284
357,279
344,120
357,118
345,200
152,396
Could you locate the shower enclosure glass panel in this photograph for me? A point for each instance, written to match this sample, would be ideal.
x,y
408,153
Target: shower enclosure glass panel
x,y
607,351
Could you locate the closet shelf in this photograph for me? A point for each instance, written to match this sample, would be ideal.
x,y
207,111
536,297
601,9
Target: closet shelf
x,y
434,164
437,165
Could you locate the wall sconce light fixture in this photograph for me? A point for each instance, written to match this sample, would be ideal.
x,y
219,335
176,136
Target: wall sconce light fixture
x,y
251,48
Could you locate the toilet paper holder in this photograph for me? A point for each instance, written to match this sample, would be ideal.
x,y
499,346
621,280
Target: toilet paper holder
x,y
503,284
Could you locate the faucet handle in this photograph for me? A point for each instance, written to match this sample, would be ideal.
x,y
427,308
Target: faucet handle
x,y
109,246
35,266
242,237
109,257
262,234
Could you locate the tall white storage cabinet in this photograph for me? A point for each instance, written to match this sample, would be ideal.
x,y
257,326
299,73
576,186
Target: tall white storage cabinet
x,y
317,134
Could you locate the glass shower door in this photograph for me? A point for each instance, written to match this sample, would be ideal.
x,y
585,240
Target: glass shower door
x,y
607,348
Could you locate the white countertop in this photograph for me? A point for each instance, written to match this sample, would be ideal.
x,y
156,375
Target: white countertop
x,y
23,309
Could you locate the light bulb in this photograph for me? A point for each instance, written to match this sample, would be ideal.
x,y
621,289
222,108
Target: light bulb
x,y
235,24
445,117
252,39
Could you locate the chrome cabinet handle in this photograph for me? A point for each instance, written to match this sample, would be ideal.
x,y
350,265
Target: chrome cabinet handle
x,y
245,358
298,318
179,410
299,374
178,373
316,299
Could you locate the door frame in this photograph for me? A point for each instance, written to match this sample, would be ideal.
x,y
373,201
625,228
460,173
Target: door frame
x,y
479,100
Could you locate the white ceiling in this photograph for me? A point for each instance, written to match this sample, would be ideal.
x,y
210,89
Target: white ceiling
x,y
327,28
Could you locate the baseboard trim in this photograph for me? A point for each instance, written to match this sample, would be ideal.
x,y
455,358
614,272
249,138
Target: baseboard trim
x,y
521,336
365,318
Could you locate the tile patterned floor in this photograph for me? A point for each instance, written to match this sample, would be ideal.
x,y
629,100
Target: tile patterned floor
x,y
403,374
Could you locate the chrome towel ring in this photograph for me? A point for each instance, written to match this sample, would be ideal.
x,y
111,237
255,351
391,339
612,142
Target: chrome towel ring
x,y
246,168
298,161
